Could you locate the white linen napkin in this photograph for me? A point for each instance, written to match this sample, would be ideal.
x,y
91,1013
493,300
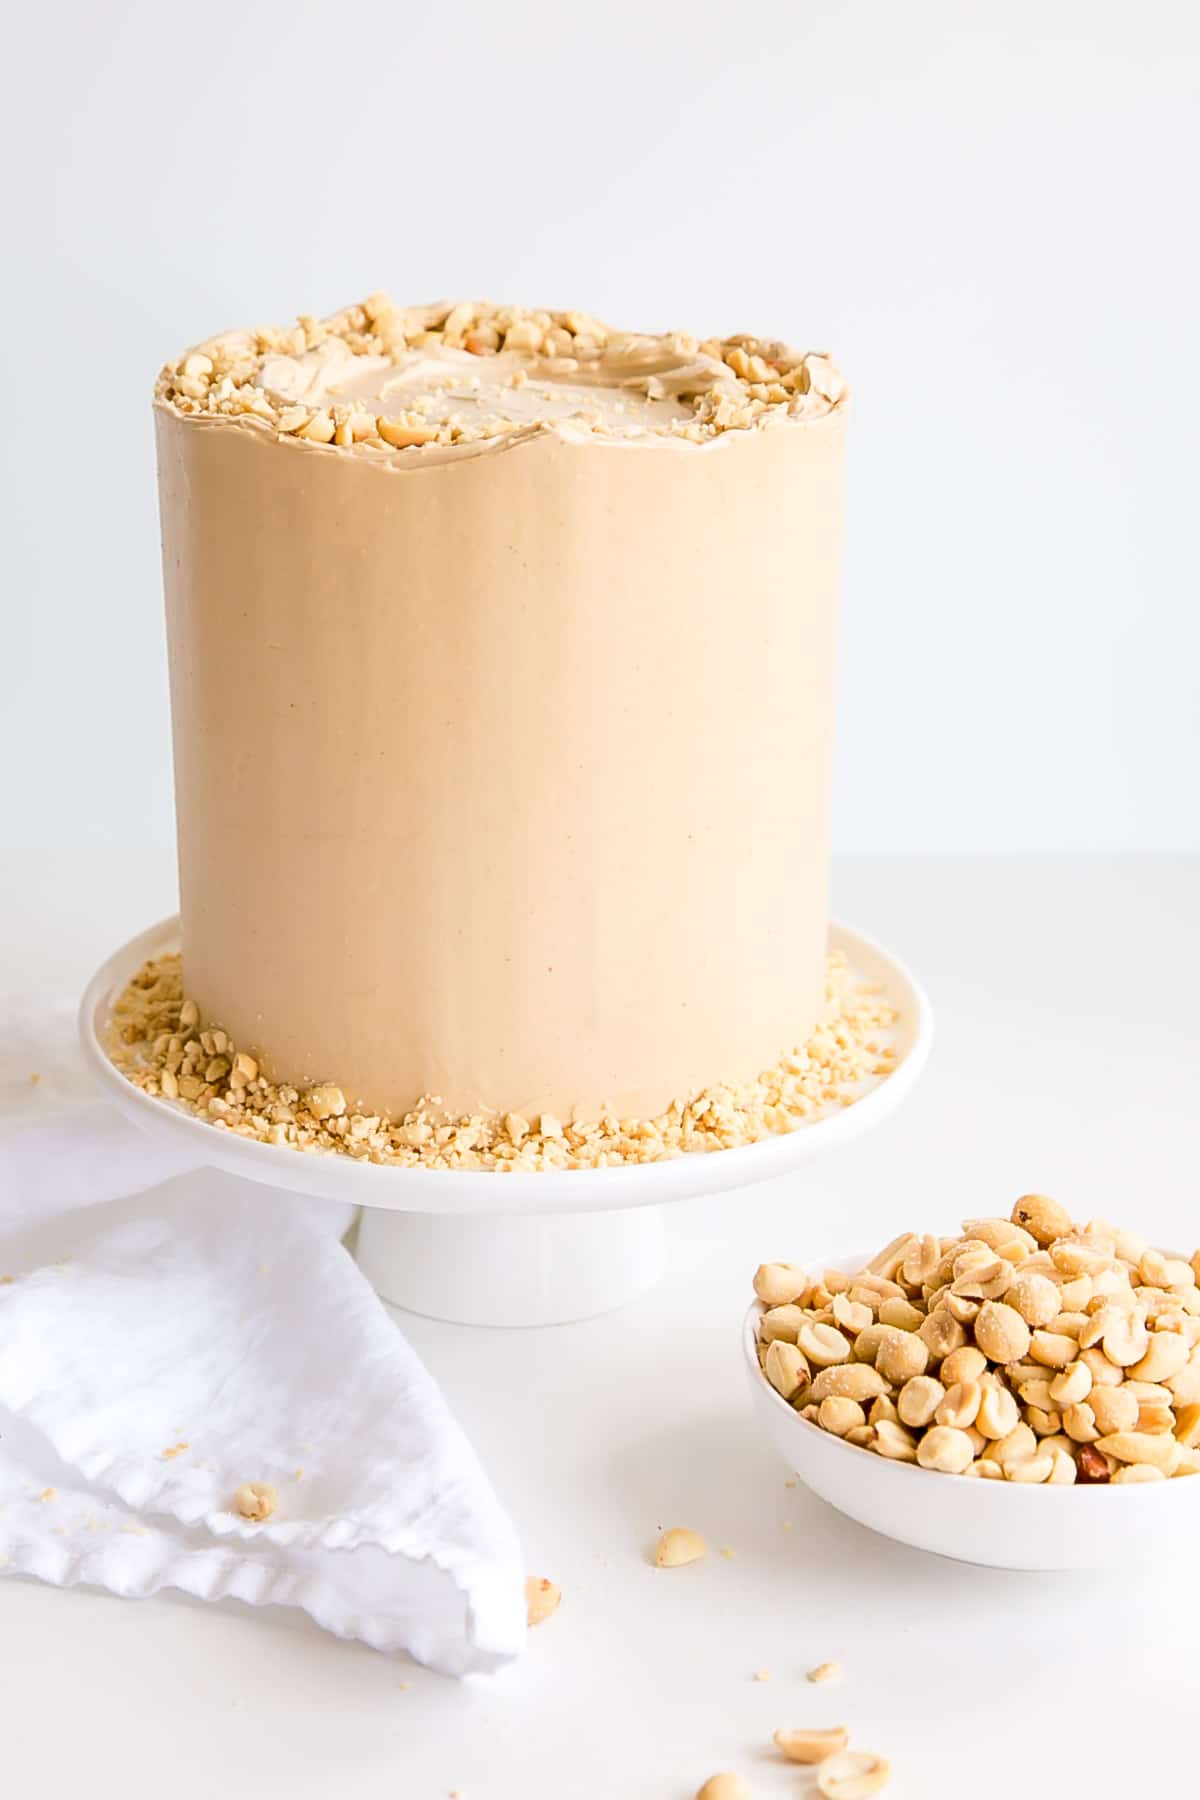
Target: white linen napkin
x,y
207,1335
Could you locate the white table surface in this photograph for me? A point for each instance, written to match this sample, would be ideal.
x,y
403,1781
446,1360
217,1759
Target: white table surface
x,y
1067,1000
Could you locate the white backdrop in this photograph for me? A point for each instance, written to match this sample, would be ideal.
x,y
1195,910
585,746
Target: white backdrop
x,y
987,212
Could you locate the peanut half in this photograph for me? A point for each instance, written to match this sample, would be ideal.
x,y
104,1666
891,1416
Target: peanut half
x,y
723,1787
778,1284
853,1775
806,1746
679,1546
541,1599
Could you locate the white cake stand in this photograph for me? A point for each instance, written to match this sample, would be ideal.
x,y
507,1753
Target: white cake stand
x,y
483,1248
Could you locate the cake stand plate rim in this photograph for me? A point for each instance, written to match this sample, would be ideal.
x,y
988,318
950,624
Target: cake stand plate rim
x,y
328,1175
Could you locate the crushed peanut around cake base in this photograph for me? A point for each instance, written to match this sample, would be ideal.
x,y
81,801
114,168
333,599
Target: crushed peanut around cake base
x,y
156,1040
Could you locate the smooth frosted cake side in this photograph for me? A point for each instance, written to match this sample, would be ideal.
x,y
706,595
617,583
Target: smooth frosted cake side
x,y
502,660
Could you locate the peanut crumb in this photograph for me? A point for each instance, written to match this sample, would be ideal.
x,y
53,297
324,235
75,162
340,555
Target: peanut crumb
x,y
153,1040
173,1451
255,1500
762,1675
542,1599
47,1494
826,1671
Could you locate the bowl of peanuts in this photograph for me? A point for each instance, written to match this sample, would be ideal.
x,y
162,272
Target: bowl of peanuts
x,y
1053,1369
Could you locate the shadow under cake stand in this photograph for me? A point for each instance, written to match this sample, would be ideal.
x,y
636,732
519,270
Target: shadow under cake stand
x,y
535,1248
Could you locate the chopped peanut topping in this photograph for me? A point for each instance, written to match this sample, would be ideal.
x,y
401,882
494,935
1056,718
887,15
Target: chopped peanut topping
x,y
155,1040
730,384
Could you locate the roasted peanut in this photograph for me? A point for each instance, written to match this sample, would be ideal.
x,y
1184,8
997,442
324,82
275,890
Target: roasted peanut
x,y
849,1381
945,1449
785,1367
838,1415
960,1406
541,1599
967,1364
920,1397
894,1442
1044,1219
256,1500
724,1786
901,1355
1034,1296
808,1746
678,1546
779,1284
998,1413
1001,1333
823,1345
1113,1409
782,1322
853,1775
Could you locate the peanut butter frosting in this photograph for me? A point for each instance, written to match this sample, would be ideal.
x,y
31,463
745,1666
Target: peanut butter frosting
x,y
376,378
502,675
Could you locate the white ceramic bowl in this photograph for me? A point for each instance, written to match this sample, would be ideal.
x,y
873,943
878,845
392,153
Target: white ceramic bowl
x,y
1000,1524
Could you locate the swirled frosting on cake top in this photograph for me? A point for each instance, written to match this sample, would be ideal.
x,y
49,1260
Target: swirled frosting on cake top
x,y
379,378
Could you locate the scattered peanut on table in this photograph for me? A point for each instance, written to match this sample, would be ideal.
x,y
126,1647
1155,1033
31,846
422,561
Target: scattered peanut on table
x,y
724,1787
679,1546
812,1746
541,1599
853,1775
826,1671
1028,1349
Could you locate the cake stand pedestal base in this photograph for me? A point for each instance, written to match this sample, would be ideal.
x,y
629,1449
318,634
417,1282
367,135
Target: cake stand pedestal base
x,y
536,1269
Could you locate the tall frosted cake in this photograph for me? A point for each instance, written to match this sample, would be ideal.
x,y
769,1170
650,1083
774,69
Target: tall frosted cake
x,y
502,662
